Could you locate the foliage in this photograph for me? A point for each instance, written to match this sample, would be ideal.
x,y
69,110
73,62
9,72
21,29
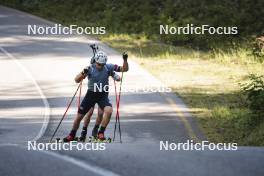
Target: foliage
x,y
144,17
258,50
255,92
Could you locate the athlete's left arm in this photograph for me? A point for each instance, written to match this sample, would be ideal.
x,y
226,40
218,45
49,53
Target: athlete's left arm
x,y
115,76
125,66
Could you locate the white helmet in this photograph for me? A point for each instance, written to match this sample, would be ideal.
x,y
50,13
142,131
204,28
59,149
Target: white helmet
x,y
100,57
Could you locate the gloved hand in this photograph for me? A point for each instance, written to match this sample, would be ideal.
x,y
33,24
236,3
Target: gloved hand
x,y
125,56
116,77
86,71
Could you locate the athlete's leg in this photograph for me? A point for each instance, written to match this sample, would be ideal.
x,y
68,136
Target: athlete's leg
x,y
86,105
107,107
87,117
86,122
97,122
75,127
99,118
106,119
107,115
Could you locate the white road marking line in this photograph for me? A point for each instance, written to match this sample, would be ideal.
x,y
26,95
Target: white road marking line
x,y
8,144
91,168
43,97
81,164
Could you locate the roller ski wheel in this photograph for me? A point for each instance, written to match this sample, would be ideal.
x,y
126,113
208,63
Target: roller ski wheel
x,y
93,139
82,139
108,140
63,140
68,139
57,140
105,140
102,138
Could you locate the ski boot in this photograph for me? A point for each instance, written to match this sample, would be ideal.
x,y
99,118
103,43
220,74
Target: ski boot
x,y
82,139
69,138
93,138
94,132
101,138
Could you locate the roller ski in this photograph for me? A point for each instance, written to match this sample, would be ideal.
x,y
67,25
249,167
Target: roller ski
x,y
66,139
100,138
80,139
92,139
76,139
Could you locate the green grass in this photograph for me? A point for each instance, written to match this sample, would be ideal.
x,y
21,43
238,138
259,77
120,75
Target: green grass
x,y
140,47
208,82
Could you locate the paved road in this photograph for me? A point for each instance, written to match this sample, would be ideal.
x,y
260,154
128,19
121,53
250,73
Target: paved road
x,y
37,81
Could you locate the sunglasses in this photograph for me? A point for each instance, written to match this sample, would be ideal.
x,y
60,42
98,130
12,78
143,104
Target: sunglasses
x,y
100,64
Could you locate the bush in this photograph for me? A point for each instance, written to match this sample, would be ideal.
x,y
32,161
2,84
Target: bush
x,y
258,49
255,92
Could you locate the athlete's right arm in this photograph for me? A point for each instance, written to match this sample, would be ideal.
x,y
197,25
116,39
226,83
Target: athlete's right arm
x,y
79,77
82,75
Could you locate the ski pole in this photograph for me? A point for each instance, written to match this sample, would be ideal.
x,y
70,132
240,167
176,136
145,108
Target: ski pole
x,y
94,48
117,108
120,134
65,111
80,94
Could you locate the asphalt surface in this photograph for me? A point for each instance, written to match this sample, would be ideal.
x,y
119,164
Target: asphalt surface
x,y
37,75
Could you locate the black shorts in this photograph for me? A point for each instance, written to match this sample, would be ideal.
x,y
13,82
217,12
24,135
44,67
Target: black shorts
x,y
91,98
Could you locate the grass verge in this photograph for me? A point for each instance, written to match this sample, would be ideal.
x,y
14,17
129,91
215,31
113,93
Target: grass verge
x,y
208,82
